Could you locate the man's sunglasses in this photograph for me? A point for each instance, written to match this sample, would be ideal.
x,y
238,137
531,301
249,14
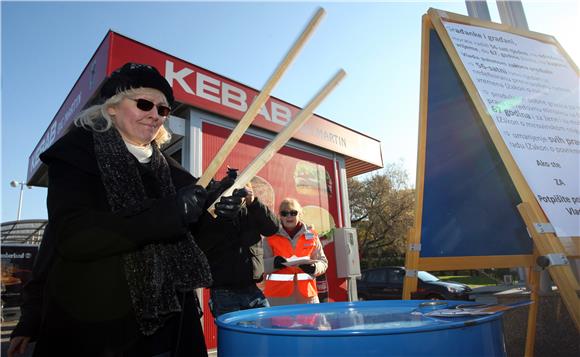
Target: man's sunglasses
x,y
146,105
292,213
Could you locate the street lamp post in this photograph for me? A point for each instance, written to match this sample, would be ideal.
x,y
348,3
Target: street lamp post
x,y
15,183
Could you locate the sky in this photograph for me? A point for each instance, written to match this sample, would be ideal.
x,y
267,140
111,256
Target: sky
x,y
45,45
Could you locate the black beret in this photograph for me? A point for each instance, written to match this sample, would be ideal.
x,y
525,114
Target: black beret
x,y
135,75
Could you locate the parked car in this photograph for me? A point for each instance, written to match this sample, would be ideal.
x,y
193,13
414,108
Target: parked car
x,y
386,283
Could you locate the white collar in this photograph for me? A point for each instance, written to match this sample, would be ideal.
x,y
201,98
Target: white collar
x,y
141,153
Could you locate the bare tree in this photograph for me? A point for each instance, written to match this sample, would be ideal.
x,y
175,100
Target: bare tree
x,y
382,210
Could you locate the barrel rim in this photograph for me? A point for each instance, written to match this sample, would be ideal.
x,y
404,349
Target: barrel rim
x,y
225,321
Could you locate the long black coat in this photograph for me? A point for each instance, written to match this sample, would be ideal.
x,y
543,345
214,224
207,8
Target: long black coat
x,y
87,307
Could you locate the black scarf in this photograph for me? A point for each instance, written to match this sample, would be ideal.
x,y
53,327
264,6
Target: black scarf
x,y
157,271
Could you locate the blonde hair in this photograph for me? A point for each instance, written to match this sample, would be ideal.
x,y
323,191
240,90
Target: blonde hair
x,y
291,203
88,118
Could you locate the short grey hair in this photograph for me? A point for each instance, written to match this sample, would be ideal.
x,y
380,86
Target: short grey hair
x,y
291,203
88,117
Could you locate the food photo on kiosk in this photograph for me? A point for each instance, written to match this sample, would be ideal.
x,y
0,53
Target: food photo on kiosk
x,y
193,215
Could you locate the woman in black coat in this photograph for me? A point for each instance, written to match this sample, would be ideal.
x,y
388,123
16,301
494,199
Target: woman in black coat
x,y
126,266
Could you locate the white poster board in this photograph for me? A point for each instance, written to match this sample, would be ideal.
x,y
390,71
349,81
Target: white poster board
x,y
532,94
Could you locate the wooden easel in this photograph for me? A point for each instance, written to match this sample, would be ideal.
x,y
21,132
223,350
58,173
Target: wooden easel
x,y
529,213
547,243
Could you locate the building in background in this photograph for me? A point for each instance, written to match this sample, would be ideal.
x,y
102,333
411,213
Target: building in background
x,y
20,241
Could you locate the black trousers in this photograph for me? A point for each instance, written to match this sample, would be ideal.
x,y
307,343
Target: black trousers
x,y
180,336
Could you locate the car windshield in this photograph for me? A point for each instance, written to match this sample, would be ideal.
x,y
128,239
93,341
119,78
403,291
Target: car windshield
x,y
423,275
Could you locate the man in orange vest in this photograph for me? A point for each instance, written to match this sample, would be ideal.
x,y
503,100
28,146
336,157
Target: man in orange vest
x,y
293,258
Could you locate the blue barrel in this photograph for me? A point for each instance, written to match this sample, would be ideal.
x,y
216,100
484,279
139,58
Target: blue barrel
x,y
366,328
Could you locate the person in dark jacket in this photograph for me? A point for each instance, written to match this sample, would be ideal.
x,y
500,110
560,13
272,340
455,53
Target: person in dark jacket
x,y
236,258
125,266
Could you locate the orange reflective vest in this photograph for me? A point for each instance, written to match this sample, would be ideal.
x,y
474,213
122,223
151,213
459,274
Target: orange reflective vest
x,y
280,283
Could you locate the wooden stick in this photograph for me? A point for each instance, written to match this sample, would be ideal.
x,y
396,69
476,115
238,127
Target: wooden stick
x,y
280,140
257,104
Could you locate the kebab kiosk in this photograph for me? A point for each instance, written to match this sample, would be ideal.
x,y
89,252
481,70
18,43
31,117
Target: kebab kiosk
x,y
313,166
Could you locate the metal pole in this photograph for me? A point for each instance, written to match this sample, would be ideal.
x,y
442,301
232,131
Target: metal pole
x,y
478,9
15,184
512,13
20,201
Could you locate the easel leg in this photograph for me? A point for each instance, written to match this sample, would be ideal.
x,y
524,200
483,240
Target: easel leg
x,y
534,282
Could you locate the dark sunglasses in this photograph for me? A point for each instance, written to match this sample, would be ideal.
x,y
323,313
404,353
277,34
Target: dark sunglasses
x,y
292,213
146,105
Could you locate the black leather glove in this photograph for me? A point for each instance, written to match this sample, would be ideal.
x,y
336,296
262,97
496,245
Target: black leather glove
x,y
232,173
228,207
278,262
216,188
308,268
191,199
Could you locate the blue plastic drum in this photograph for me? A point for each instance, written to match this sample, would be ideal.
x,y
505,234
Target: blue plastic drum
x,y
367,328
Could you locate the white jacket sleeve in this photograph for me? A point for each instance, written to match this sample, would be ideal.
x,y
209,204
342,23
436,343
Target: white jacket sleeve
x,y
318,255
